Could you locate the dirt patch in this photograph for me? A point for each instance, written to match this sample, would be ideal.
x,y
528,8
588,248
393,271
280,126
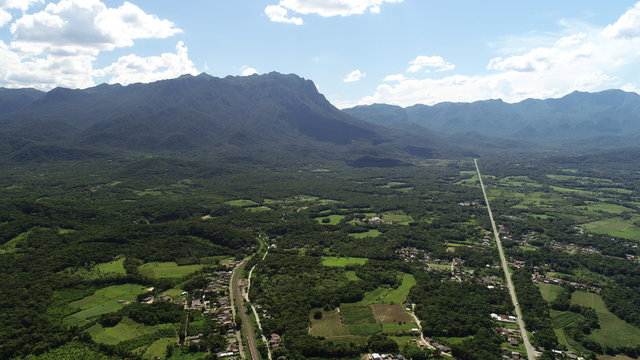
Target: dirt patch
x,y
390,314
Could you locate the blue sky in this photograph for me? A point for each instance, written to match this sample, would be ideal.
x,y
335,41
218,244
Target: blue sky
x,y
356,51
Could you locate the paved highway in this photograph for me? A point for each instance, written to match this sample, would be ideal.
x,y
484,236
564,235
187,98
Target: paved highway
x,y
505,267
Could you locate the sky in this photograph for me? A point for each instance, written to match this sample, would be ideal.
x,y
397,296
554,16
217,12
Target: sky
x,y
401,52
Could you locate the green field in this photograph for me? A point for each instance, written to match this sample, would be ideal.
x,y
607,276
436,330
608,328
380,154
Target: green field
x,y
607,208
10,246
613,330
616,226
333,219
351,275
167,270
329,326
116,266
182,353
158,348
549,291
259,208
241,202
384,295
396,217
342,261
103,301
369,234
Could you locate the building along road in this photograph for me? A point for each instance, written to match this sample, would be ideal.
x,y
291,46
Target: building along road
x,y
505,267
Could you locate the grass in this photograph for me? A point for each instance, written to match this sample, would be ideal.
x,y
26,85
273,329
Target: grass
x,y
384,295
10,246
549,291
167,270
259,208
397,217
241,202
357,314
452,340
342,261
613,330
182,353
616,226
402,341
561,319
103,301
115,266
333,219
351,275
330,325
369,234
607,208
370,329
158,348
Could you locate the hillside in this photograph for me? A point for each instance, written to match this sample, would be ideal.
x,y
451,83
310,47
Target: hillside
x,y
263,118
609,118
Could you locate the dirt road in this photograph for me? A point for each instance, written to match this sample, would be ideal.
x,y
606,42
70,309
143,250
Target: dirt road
x,y
507,274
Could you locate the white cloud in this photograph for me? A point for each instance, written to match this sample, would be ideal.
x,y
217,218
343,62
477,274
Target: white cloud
x,y
86,26
277,13
324,8
58,45
5,5
5,17
627,26
354,76
133,68
588,58
394,77
437,63
249,71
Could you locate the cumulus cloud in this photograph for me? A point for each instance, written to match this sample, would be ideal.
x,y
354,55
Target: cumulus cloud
x,y
6,5
354,76
435,63
133,68
86,26
589,59
57,45
249,71
394,77
277,13
324,8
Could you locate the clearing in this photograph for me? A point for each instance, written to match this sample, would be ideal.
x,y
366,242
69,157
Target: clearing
x,y
103,301
342,261
616,226
167,270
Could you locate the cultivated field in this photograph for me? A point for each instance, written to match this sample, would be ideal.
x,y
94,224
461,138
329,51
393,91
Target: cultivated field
x,y
158,348
384,295
103,301
167,270
342,261
116,267
616,226
333,219
369,234
241,202
613,330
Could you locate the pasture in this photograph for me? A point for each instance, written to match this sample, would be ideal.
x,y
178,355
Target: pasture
x,y
241,202
342,261
549,291
396,217
115,267
167,270
103,301
383,295
368,234
616,226
333,219
330,325
613,330
158,348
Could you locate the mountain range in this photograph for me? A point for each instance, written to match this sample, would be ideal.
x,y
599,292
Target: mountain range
x,y
282,119
607,119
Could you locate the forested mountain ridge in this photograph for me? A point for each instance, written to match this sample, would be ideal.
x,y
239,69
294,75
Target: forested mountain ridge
x,y
611,117
267,116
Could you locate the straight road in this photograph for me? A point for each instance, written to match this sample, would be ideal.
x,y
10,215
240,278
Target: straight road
x,y
505,267
236,294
